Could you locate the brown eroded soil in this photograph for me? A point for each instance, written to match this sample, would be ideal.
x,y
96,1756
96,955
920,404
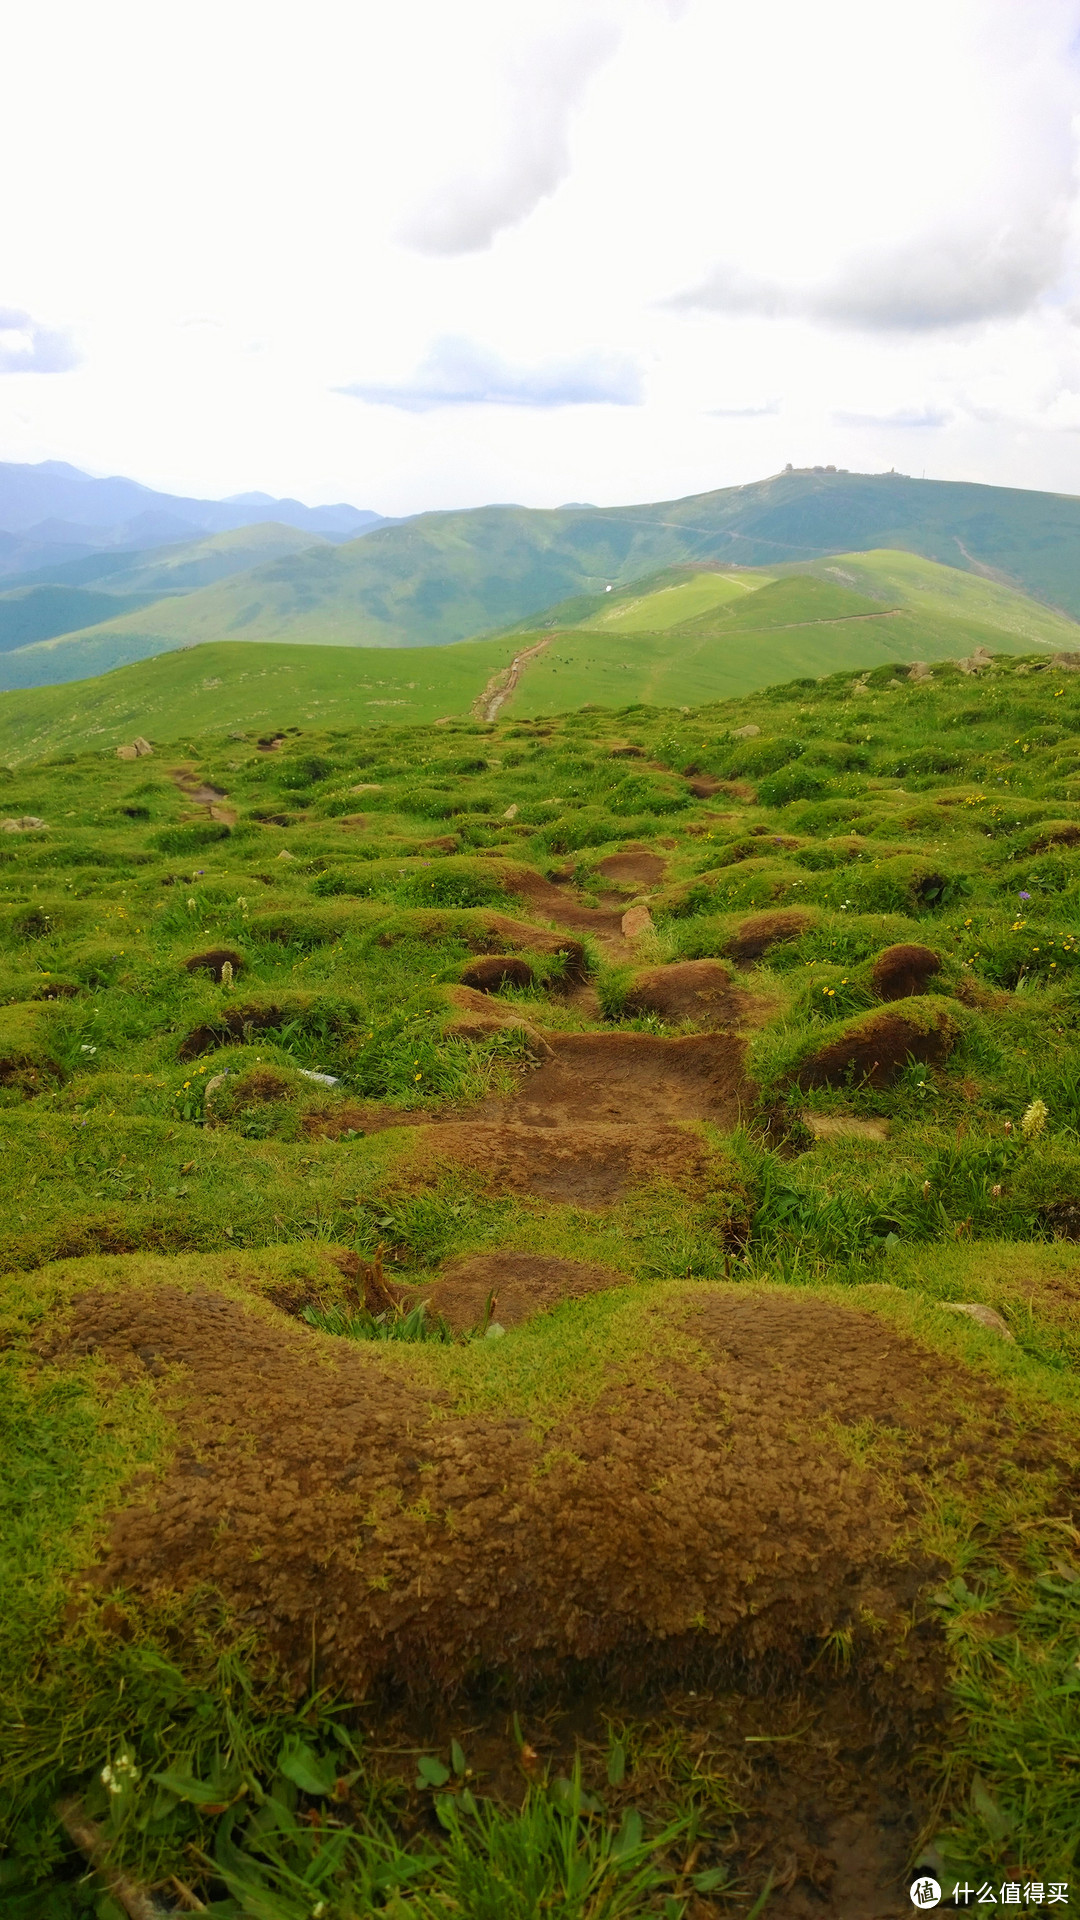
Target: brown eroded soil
x,y
630,1080
561,905
706,1501
597,1114
875,1051
582,1166
213,960
635,867
519,1284
901,972
491,971
829,1795
700,991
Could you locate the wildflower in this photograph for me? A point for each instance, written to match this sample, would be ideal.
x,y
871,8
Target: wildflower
x,y
1025,896
1035,1119
926,1189
226,973
122,1773
87,1049
1008,1126
996,1192
191,906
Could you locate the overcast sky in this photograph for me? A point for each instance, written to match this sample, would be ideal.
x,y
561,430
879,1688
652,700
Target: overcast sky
x,y
443,252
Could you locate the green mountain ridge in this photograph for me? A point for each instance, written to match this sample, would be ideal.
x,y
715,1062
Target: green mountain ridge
x,y
82,595
800,600
443,577
777,630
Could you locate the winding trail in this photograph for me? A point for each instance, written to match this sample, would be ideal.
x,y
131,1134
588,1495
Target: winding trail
x,y
498,689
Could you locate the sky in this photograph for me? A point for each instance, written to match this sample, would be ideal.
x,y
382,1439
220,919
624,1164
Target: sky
x,y
428,255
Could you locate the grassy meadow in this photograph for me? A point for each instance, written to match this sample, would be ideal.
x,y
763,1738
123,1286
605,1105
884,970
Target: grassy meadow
x,y
733,633
338,1583
676,638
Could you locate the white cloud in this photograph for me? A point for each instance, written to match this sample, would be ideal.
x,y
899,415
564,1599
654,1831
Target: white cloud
x,y
461,373
529,146
933,282
749,412
903,417
873,208
28,347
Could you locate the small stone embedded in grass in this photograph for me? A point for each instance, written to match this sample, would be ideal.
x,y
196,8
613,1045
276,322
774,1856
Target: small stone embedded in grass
x,y
636,922
985,1316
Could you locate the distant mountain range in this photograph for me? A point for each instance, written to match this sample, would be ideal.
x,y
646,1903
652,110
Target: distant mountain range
x,y
52,512
441,577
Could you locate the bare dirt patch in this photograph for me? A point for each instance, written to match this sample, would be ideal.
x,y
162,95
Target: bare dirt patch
x,y
901,972
518,1285
213,960
627,1079
760,931
559,904
235,1024
493,971
704,786
348,1513
875,1050
194,788
635,867
354,1117
697,990
588,1166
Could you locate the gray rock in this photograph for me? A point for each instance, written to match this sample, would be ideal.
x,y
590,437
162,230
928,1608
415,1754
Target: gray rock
x,y
975,1310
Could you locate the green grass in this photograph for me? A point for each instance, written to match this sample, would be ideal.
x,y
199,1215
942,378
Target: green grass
x,y
32,614
447,576
664,607
796,601
932,590
941,813
238,686
684,668
794,627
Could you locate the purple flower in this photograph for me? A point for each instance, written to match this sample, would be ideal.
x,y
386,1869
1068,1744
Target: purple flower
x,y
1025,896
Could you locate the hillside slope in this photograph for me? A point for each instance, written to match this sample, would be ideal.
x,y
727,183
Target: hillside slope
x,y
684,669
447,576
795,627
731,1055
181,566
202,689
